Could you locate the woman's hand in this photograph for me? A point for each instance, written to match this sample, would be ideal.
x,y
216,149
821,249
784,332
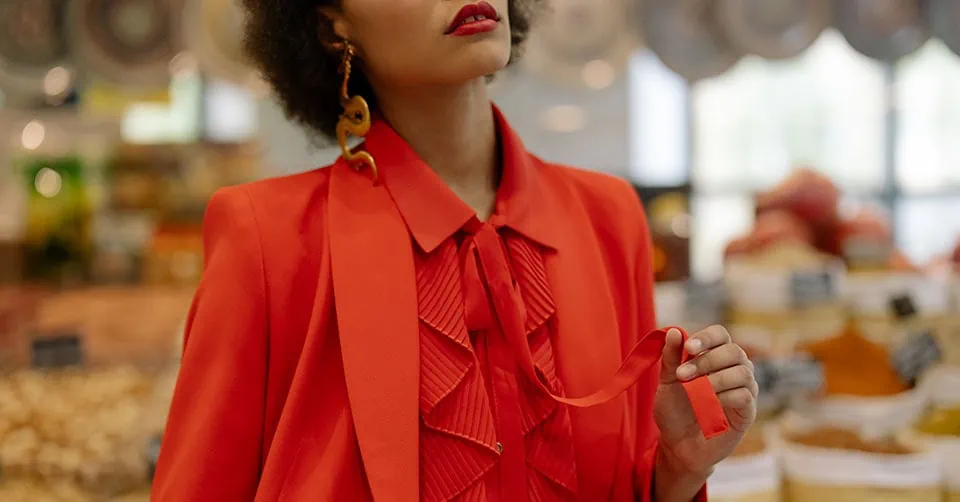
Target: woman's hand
x,y
684,452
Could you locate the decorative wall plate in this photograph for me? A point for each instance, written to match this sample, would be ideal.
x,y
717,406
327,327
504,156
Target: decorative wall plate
x,y
127,43
773,29
594,73
581,30
32,43
886,30
213,31
944,18
685,35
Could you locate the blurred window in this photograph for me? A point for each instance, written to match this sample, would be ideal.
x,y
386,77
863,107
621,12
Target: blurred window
x,y
825,108
177,121
927,227
659,103
230,113
928,134
716,221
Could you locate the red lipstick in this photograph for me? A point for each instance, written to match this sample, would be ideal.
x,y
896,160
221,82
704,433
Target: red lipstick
x,y
475,18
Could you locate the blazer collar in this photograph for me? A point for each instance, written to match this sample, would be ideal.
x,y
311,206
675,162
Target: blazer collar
x,y
433,213
375,292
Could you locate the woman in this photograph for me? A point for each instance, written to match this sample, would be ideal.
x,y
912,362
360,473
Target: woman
x,y
405,324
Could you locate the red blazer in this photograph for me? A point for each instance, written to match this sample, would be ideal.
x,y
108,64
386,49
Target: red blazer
x,y
299,378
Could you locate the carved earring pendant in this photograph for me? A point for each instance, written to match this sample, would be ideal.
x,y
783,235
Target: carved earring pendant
x,y
355,119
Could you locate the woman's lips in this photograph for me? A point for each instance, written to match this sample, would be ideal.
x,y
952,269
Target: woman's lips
x,y
475,18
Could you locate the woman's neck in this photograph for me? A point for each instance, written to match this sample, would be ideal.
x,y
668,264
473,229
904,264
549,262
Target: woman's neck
x,y
453,131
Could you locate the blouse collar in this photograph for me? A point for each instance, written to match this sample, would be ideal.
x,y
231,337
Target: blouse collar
x,y
433,213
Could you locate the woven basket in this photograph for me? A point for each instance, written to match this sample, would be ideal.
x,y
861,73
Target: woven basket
x,y
757,288
746,478
942,384
879,415
949,449
779,333
802,492
769,496
887,331
869,294
817,474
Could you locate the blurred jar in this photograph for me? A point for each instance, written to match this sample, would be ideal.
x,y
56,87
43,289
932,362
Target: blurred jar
x,y
57,158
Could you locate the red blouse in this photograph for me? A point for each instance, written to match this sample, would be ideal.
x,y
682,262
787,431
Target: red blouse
x,y
487,431
486,434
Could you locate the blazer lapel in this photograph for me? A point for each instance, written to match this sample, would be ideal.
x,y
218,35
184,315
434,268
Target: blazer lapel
x,y
588,353
375,294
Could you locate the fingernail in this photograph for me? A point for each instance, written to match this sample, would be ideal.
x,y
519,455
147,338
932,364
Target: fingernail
x,y
693,346
686,372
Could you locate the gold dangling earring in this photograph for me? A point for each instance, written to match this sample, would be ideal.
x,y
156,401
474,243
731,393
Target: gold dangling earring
x,y
355,119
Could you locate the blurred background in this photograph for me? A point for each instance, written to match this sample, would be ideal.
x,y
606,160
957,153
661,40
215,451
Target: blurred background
x,y
799,160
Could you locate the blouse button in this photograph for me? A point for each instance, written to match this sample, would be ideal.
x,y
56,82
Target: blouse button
x,y
499,448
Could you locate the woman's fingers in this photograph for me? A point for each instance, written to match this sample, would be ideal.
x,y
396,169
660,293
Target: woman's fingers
x,y
737,377
711,337
714,360
739,402
671,357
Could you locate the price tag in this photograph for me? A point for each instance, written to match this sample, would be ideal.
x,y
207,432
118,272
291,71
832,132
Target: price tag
x,y
811,288
153,455
919,352
766,374
705,301
903,307
800,374
59,350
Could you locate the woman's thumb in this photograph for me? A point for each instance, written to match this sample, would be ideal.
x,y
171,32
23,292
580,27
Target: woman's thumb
x,y
672,356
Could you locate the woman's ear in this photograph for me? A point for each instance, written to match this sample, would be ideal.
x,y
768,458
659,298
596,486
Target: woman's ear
x,y
333,16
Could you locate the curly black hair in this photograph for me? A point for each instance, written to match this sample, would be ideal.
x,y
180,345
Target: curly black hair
x,y
290,44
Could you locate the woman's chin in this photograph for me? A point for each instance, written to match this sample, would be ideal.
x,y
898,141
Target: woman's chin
x,y
488,53
462,66
479,64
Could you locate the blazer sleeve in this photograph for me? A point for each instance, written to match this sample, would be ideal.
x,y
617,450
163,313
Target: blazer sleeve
x,y
647,432
212,444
